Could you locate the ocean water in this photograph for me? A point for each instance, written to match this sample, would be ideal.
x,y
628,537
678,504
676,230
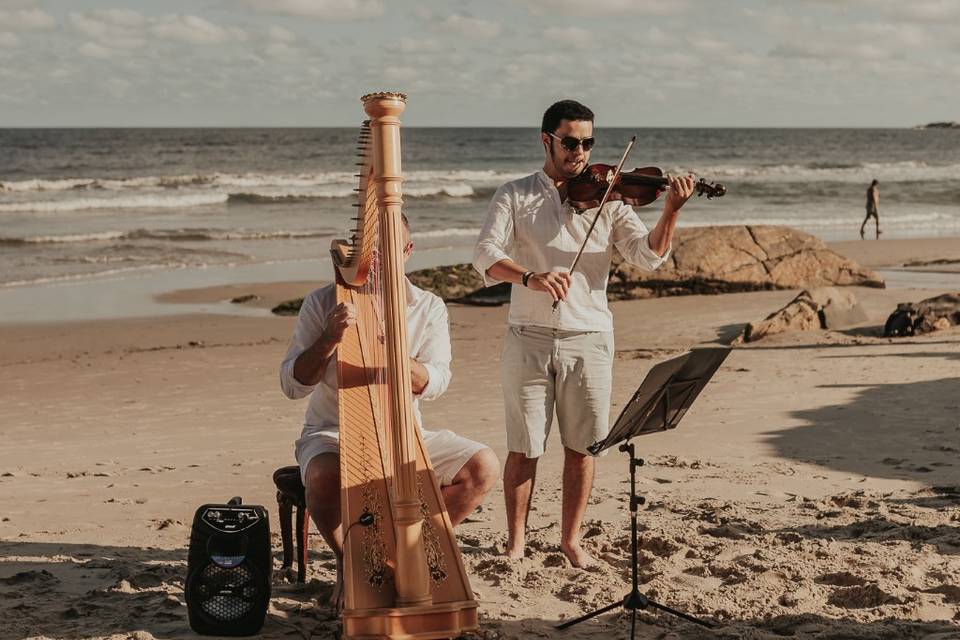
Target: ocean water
x,y
81,204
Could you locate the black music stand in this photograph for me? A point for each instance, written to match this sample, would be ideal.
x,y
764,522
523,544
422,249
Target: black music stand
x,y
658,405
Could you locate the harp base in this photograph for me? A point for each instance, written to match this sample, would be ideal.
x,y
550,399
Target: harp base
x,y
428,622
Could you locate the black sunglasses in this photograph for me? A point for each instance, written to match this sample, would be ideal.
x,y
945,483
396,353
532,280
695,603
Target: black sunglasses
x,y
570,143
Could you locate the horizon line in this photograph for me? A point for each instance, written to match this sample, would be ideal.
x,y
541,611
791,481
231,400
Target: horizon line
x,y
613,126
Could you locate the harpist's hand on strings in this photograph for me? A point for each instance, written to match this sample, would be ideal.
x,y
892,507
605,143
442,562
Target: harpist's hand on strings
x,y
554,283
340,318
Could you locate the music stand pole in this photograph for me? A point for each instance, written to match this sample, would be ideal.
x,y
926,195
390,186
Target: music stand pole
x,y
634,600
658,404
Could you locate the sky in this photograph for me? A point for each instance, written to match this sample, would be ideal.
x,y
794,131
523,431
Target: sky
x,y
636,63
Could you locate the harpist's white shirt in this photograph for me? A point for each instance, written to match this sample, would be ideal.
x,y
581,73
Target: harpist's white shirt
x,y
527,223
428,339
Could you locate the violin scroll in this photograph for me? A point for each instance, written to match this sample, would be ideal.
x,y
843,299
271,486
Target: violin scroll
x,y
712,190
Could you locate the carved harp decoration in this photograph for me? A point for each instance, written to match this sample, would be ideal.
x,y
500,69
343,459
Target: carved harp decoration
x,y
403,574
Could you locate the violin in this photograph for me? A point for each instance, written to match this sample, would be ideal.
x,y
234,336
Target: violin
x,y
599,183
638,187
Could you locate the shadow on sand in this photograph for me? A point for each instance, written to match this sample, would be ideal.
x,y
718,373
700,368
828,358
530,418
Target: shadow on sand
x,y
616,626
904,431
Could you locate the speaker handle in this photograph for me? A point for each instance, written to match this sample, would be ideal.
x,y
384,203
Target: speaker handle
x,y
235,501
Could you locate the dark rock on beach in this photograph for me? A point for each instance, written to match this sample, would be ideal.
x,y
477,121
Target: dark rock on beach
x,y
460,283
288,308
932,314
940,125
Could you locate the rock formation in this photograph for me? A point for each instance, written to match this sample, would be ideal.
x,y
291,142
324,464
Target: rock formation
x,y
822,308
932,314
740,258
940,125
704,260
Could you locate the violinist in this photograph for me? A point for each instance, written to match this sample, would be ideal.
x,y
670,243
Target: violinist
x,y
561,361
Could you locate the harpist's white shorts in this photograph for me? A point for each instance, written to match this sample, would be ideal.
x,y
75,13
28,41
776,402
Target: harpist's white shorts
x,y
448,452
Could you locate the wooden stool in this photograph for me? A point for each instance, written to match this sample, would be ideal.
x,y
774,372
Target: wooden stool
x,y
290,493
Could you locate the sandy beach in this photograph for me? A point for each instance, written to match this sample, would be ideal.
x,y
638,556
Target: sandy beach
x,y
811,492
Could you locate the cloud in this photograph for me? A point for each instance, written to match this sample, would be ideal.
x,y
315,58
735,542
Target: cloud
x,y
926,10
400,74
128,29
329,9
901,35
469,27
413,45
27,19
121,17
638,8
107,24
572,36
280,50
279,34
9,40
811,50
94,50
194,30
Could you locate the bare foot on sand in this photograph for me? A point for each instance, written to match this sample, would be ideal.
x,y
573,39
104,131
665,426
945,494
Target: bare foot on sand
x,y
576,555
515,549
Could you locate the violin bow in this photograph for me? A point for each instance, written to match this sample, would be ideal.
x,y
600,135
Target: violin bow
x,y
606,196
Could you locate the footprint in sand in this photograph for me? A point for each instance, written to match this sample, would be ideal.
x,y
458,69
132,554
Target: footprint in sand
x,y
861,597
841,579
41,578
950,592
493,570
659,546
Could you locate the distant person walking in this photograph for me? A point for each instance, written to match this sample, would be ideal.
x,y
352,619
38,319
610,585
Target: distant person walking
x,y
873,202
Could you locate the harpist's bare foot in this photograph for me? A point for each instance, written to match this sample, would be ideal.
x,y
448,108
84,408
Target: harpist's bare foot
x,y
576,555
514,550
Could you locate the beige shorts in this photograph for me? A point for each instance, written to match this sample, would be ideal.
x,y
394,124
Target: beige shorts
x,y
548,369
448,452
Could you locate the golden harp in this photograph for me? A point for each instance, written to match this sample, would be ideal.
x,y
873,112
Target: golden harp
x,y
403,574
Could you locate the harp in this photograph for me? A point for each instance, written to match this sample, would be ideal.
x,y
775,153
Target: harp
x,y
403,574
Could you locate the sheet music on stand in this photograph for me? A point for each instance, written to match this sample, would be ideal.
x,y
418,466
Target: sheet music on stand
x,y
664,396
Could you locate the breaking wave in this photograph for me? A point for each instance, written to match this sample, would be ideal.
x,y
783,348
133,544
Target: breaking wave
x,y
164,234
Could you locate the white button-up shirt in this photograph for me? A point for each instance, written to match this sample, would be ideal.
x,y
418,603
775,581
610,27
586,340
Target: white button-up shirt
x,y
428,338
527,223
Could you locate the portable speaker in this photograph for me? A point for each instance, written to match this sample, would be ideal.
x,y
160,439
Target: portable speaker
x,y
228,569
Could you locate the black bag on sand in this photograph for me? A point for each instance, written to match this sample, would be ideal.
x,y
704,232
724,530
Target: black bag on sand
x,y
228,569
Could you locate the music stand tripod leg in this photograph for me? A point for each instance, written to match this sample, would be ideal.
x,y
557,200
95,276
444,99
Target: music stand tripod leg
x,y
634,600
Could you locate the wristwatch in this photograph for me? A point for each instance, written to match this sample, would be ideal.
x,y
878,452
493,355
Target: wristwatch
x,y
526,277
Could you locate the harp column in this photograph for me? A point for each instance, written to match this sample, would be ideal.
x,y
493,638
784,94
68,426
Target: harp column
x,y
411,577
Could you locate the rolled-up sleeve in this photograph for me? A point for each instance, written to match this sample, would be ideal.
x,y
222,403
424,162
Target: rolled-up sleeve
x,y
631,238
496,235
435,353
310,324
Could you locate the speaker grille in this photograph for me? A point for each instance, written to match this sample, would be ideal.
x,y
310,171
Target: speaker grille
x,y
226,594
